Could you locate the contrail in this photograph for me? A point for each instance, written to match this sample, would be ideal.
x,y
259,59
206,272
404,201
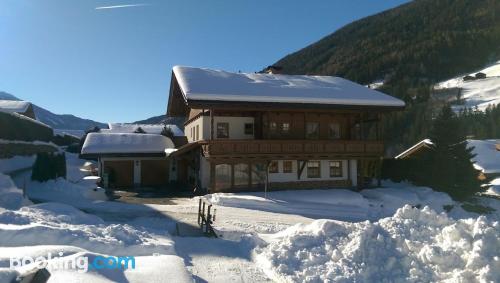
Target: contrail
x,y
120,6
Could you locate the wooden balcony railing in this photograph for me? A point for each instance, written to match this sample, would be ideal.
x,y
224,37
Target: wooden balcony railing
x,y
214,148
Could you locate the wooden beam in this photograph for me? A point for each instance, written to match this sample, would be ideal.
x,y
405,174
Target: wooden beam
x,y
301,169
211,124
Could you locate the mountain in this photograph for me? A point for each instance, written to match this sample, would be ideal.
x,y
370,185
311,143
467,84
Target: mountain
x,y
58,121
162,119
415,44
405,52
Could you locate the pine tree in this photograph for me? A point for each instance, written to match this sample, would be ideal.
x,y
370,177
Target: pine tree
x,y
450,165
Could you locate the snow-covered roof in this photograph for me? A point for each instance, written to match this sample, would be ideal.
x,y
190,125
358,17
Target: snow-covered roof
x,y
14,106
416,147
106,143
215,85
487,157
148,128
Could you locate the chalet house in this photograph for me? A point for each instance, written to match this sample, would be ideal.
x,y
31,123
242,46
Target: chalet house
x,y
249,131
129,157
16,106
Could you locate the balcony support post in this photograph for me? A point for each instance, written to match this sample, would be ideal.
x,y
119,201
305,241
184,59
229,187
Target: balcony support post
x,y
211,124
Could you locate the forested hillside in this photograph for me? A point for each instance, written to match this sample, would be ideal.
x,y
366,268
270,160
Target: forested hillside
x,y
409,48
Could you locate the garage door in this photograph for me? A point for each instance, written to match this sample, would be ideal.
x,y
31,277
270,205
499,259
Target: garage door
x,y
154,172
121,173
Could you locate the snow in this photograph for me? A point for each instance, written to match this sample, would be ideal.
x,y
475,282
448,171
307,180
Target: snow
x,y
4,141
75,133
411,246
425,142
478,93
56,228
207,84
20,116
15,163
14,106
124,128
11,197
340,204
103,143
487,156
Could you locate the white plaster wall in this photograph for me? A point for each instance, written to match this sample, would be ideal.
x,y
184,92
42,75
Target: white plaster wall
x,y
284,177
354,172
236,127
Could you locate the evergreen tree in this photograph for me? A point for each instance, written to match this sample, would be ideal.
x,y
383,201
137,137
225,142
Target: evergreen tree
x,y
449,164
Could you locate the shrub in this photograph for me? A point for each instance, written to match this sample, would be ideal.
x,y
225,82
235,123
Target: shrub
x,y
49,166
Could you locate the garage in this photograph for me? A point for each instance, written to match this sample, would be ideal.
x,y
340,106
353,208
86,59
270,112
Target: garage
x,y
120,173
154,173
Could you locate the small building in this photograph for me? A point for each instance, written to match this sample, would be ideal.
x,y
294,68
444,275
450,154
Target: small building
x,y
17,106
127,160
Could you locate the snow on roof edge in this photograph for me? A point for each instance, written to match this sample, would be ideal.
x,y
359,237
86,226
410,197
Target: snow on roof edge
x,y
384,99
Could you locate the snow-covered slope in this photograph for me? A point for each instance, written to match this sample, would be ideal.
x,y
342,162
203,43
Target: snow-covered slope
x,y
476,93
58,121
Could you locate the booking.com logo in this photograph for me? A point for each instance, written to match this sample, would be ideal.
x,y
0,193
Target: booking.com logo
x,y
81,263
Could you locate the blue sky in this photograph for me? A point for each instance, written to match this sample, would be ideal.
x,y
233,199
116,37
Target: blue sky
x,y
114,65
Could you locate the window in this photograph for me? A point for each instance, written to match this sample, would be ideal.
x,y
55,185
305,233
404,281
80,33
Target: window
x,y
287,166
285,128
222,176
312,130
248,128
222,130
273,167
313,169
241,174
335,168
334,131
258,174
273,127
197,132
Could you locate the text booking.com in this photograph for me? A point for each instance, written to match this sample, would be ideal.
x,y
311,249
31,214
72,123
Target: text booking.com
x,y
80,263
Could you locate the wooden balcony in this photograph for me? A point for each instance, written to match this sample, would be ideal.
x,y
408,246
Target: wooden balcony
x,y
292,148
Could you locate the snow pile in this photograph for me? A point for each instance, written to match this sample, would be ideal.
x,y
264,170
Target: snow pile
x,y
335,203
413,245
388,200
64,191
15,163
207,84
487,157
11,197
66,233
75,167
102,143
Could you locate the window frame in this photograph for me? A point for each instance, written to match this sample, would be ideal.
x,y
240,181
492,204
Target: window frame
x,y
285,167
251,128
274,167
226,124
310,172
282,127
308,135
339,132
333,168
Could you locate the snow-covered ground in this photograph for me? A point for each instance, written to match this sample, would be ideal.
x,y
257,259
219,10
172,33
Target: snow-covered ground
x,y
396,233
477,93
487,160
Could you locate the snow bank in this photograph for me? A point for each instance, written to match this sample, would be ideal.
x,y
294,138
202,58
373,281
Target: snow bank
x,y
15,163
11,197
487,156
413,245
64,191
390,199
65,231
